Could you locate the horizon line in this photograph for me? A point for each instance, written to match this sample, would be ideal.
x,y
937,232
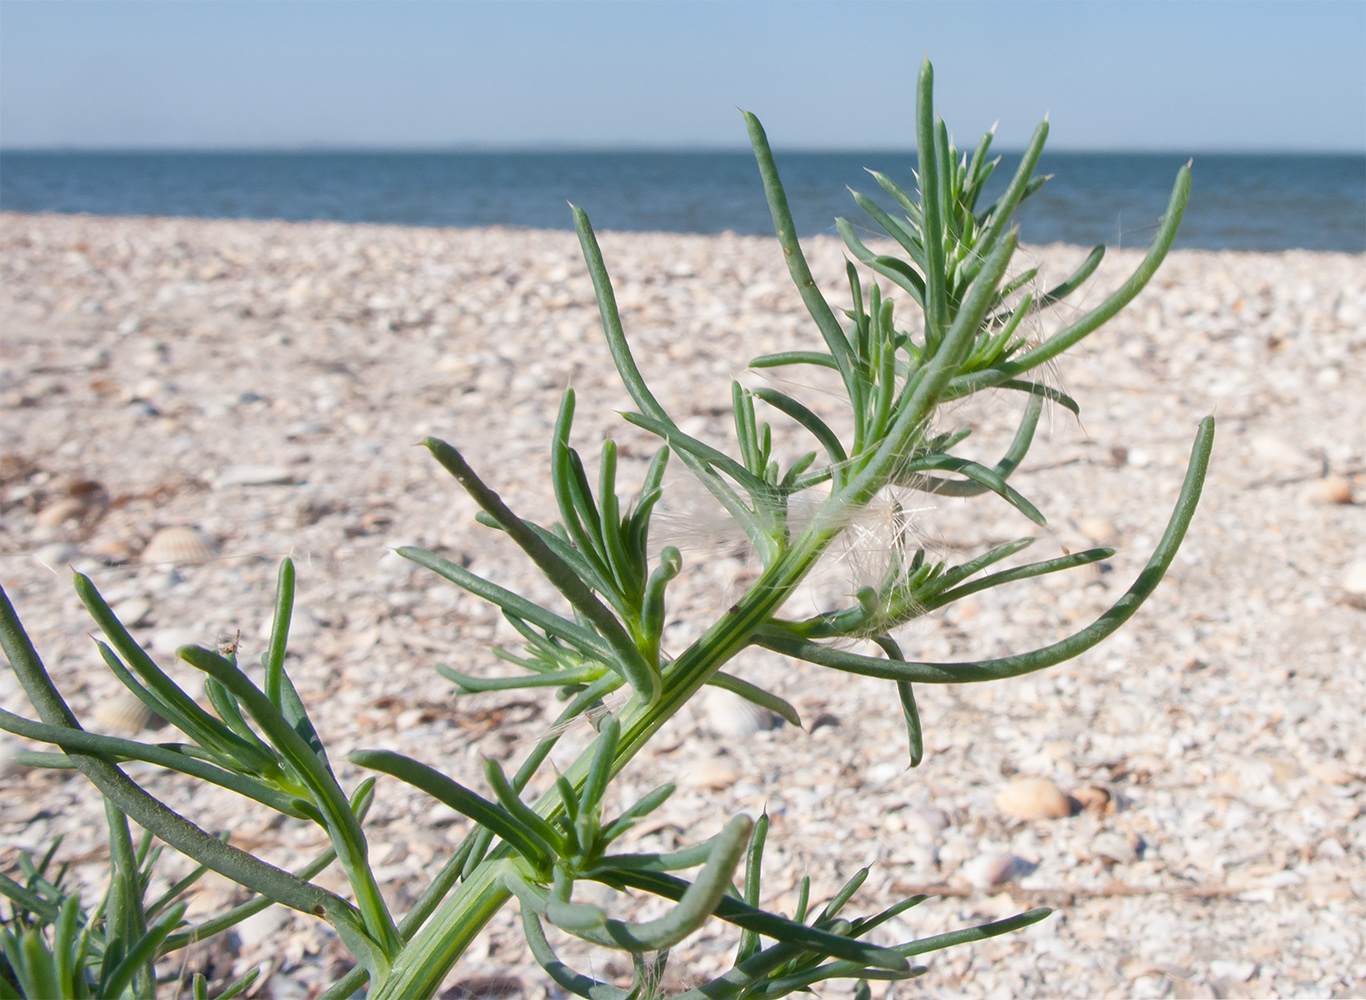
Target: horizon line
x,y
627,148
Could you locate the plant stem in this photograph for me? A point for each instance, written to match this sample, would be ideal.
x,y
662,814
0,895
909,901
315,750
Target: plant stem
x,y
433,950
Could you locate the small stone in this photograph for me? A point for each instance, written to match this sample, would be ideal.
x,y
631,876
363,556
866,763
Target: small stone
x,y
714,773
1099,530
928,820
1331,772
1276,454
824,720
1114,847
485,988
1143,765
1034,798
1331,490
1233,971
57,513
113,550
1354,578
258,930
1095,799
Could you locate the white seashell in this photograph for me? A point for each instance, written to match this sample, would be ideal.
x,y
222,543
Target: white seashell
x,y
133,611
168,640
57,513
125,713
1034,798
1114,847
730,716
988,871
1354,577
9,765
928,820
303,624
179,545
254,475
56,556
1232,971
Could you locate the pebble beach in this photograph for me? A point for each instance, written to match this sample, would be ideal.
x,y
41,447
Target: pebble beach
x,y
184,402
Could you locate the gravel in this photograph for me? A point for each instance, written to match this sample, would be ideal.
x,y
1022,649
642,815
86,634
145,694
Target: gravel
x,y
263,383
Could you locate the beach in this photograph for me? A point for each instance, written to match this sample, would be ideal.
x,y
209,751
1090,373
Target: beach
x,y
264,383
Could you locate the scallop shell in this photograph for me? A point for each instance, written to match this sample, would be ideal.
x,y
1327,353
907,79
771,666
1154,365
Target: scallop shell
x,y
125,713
180,545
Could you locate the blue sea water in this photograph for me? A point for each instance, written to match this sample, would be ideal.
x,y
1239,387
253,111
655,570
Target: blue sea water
x,y
1239,201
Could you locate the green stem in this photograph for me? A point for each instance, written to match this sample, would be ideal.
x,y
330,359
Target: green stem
x,y
429,955
422,965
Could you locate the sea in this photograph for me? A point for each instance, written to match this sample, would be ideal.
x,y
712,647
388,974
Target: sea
x,y
1261,202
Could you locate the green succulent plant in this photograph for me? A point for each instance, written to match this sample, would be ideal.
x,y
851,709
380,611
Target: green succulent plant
x,y
954,262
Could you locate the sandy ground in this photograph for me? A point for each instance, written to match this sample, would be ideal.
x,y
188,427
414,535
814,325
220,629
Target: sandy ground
x,y
264,383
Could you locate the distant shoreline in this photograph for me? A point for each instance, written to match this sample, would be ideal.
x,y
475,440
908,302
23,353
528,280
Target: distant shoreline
x,y
1239,201
9,218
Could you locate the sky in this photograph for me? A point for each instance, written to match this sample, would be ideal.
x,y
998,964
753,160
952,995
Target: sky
x,y
1209,75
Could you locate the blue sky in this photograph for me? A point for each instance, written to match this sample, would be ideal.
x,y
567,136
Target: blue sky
x,y
1114,74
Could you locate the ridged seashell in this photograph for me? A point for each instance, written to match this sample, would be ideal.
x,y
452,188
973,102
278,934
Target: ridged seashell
x,y
179,545
125,713
730,716
1034,798
988,871
58,512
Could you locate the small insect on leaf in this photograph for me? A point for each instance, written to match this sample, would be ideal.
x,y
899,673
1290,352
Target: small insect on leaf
x,y
227,644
